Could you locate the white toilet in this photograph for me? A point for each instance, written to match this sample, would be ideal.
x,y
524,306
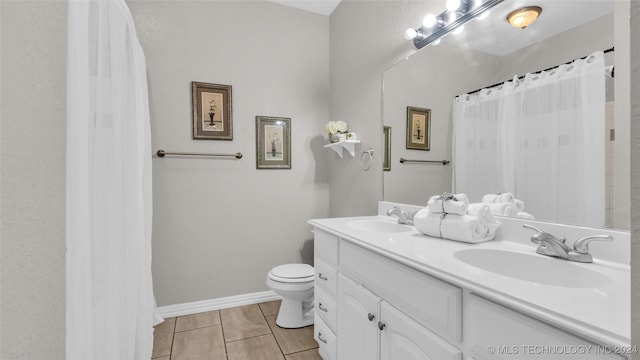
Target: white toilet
x,y
294,282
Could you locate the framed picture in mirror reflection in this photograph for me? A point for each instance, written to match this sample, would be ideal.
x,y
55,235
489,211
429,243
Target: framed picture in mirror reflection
x,y
386,165
418,128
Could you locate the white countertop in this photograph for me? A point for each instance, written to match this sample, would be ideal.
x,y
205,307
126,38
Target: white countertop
x,y
601,315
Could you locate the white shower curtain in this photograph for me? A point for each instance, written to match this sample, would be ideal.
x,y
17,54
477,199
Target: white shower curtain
x,y
110,303
541,138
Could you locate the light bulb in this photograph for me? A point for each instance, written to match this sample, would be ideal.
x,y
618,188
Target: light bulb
x,y
458,30
410,34
451,17
484,15
452,5
435,42
429,20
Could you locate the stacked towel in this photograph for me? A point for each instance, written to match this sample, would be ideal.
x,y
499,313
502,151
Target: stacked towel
x,y
504,198
466,228
448,203
498,198
500,209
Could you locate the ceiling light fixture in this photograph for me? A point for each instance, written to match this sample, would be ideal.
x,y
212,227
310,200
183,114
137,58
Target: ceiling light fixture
x,y
457,14
523,17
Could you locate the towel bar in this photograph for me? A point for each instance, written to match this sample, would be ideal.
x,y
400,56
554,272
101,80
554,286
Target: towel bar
x,y
162,153
442,162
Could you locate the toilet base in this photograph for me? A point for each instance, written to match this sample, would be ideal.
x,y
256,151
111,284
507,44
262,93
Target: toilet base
x,y
295,314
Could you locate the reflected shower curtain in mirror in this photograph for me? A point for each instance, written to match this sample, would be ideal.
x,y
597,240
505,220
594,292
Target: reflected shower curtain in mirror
x,y
541,138
110,303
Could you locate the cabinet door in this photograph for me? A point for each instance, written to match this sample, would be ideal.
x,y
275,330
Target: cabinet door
x,y
358,334
404,338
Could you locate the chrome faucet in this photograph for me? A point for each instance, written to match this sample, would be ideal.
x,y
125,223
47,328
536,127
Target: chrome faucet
x,y
403,217
550,245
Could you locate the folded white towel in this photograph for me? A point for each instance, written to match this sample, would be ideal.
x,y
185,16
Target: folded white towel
x,y
466,228
506,197
525,215
448,203
519,204
500,209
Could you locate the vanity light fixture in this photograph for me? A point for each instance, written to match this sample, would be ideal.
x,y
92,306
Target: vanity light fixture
x,y
457,13
523,17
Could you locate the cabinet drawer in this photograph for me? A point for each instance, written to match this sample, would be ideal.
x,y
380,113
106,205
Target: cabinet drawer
x,y
326,307
326,339
432,302
325,247
326,277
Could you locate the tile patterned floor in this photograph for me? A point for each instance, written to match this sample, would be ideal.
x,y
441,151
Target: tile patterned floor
x,y
240,333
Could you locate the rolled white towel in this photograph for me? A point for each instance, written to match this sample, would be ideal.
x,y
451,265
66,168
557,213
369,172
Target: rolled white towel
x,y
500,209
505,197
525,215
519,204
448,203
465,228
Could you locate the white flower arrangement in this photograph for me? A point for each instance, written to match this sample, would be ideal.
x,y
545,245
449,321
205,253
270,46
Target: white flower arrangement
x,y
336,127
337,131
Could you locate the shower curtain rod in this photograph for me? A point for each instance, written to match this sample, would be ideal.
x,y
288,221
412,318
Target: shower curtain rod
x,y
537,72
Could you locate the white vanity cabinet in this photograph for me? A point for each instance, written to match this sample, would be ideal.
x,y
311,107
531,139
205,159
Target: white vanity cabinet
x,y
372,305
408,319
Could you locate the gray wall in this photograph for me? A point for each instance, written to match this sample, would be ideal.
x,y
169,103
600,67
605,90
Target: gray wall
x,y
32,262
221,225
366,38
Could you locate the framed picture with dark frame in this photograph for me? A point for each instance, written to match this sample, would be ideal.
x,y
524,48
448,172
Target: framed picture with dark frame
x,y
212,113
386,164
418,128
273,142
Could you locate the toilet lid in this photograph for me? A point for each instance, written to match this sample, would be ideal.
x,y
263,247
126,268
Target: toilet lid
x,y
293,271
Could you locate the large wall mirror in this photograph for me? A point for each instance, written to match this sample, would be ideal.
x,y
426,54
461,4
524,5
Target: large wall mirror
x,y
491,51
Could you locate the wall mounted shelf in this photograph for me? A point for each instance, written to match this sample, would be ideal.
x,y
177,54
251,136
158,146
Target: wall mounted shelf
x,y
339,147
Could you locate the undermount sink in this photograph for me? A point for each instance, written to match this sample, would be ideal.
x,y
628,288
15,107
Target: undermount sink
x,y
378,226
534,268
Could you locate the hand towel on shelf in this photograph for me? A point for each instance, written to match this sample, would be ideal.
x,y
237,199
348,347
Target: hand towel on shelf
x,y
525,215
448,203
505,197
500,209
465,228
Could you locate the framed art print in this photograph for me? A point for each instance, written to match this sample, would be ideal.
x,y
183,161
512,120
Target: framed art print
x,y
212,114
386,165
418,128
273,142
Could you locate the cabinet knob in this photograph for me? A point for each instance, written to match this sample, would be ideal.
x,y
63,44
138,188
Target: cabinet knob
x,y
381,325
322,277
371,317
320,338
322,308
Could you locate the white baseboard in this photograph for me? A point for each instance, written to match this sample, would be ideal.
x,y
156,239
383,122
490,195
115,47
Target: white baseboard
x,y
217,304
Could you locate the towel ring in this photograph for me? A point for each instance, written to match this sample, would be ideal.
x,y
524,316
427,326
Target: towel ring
x,y
365,159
